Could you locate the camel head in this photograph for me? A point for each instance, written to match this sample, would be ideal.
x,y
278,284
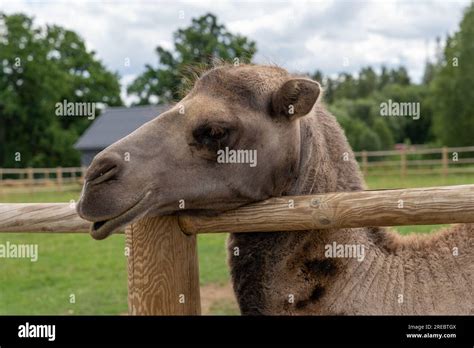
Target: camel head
x,y
232,140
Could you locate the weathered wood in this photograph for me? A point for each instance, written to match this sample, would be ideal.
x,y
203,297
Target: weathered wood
x,y
41,217
30,176
421,206
445,161
403,163
364,162
163,269
59,178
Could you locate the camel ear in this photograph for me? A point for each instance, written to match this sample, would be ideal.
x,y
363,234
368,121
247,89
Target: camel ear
x,y
295,98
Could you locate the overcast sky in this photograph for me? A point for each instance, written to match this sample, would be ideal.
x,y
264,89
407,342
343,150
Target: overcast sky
x,y
303,36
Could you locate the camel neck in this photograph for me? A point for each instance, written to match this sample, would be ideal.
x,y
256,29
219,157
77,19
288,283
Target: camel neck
x,y
327,162
326,271
262,256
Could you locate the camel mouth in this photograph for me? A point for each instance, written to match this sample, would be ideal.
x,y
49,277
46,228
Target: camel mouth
x,y
104,228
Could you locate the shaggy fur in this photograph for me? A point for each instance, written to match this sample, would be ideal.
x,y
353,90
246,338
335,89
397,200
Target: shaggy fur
x,y
399,275
301,150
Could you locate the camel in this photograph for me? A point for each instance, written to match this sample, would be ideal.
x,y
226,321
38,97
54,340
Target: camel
x,y
301,150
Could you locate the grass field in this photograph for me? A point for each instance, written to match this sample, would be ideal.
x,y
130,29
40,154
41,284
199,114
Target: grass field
x,y
95,272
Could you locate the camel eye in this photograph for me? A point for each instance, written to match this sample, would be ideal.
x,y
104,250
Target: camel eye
x,y
213,136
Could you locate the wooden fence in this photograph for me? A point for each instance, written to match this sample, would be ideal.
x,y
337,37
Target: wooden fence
x,y
163,274
417,161
412,161
41,176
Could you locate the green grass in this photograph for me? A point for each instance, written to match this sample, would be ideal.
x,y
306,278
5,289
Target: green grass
x,y
212,259
39,197
382,182
224,307
95,272
418,229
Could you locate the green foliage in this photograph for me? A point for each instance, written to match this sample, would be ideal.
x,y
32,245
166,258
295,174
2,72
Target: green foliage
x,y
356,102
39,67
194,47
384,133
453,87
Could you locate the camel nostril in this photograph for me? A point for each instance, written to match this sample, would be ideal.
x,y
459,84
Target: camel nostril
x,y
105,176
102,170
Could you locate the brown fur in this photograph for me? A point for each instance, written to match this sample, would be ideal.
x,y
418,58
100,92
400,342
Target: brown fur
x,y
301,151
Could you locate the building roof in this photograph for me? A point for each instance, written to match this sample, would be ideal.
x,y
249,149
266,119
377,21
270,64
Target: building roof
x,y
116,122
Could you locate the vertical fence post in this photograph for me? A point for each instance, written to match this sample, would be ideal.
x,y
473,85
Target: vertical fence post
x,y
364,162
29,174
59,178
445,161
403,163
83,174
163,270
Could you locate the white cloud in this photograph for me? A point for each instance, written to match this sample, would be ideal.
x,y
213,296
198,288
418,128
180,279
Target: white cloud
x,y
301,36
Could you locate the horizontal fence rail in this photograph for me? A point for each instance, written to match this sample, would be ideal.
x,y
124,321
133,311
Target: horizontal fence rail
x,y
59,176
436,161
417,161
162,262
420,206
41,217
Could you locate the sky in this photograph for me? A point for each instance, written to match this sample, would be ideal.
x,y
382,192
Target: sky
x,y
302,36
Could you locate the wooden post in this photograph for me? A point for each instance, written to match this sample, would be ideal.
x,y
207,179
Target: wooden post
x,y
364,162
83,174
445,161
59,178
29,172
403,163
163,269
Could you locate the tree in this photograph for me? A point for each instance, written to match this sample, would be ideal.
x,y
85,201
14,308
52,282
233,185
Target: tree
x,y
318,76
196,46
384,78
400,76
367,82
402,128
359,98
384,133
40,67
453,87
429,73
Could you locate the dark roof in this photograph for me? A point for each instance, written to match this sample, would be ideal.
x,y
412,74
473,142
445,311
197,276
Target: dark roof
x,y
115,123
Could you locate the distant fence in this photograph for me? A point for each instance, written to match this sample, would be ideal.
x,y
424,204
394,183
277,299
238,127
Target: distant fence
x,y
41,176
417,161
163,272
